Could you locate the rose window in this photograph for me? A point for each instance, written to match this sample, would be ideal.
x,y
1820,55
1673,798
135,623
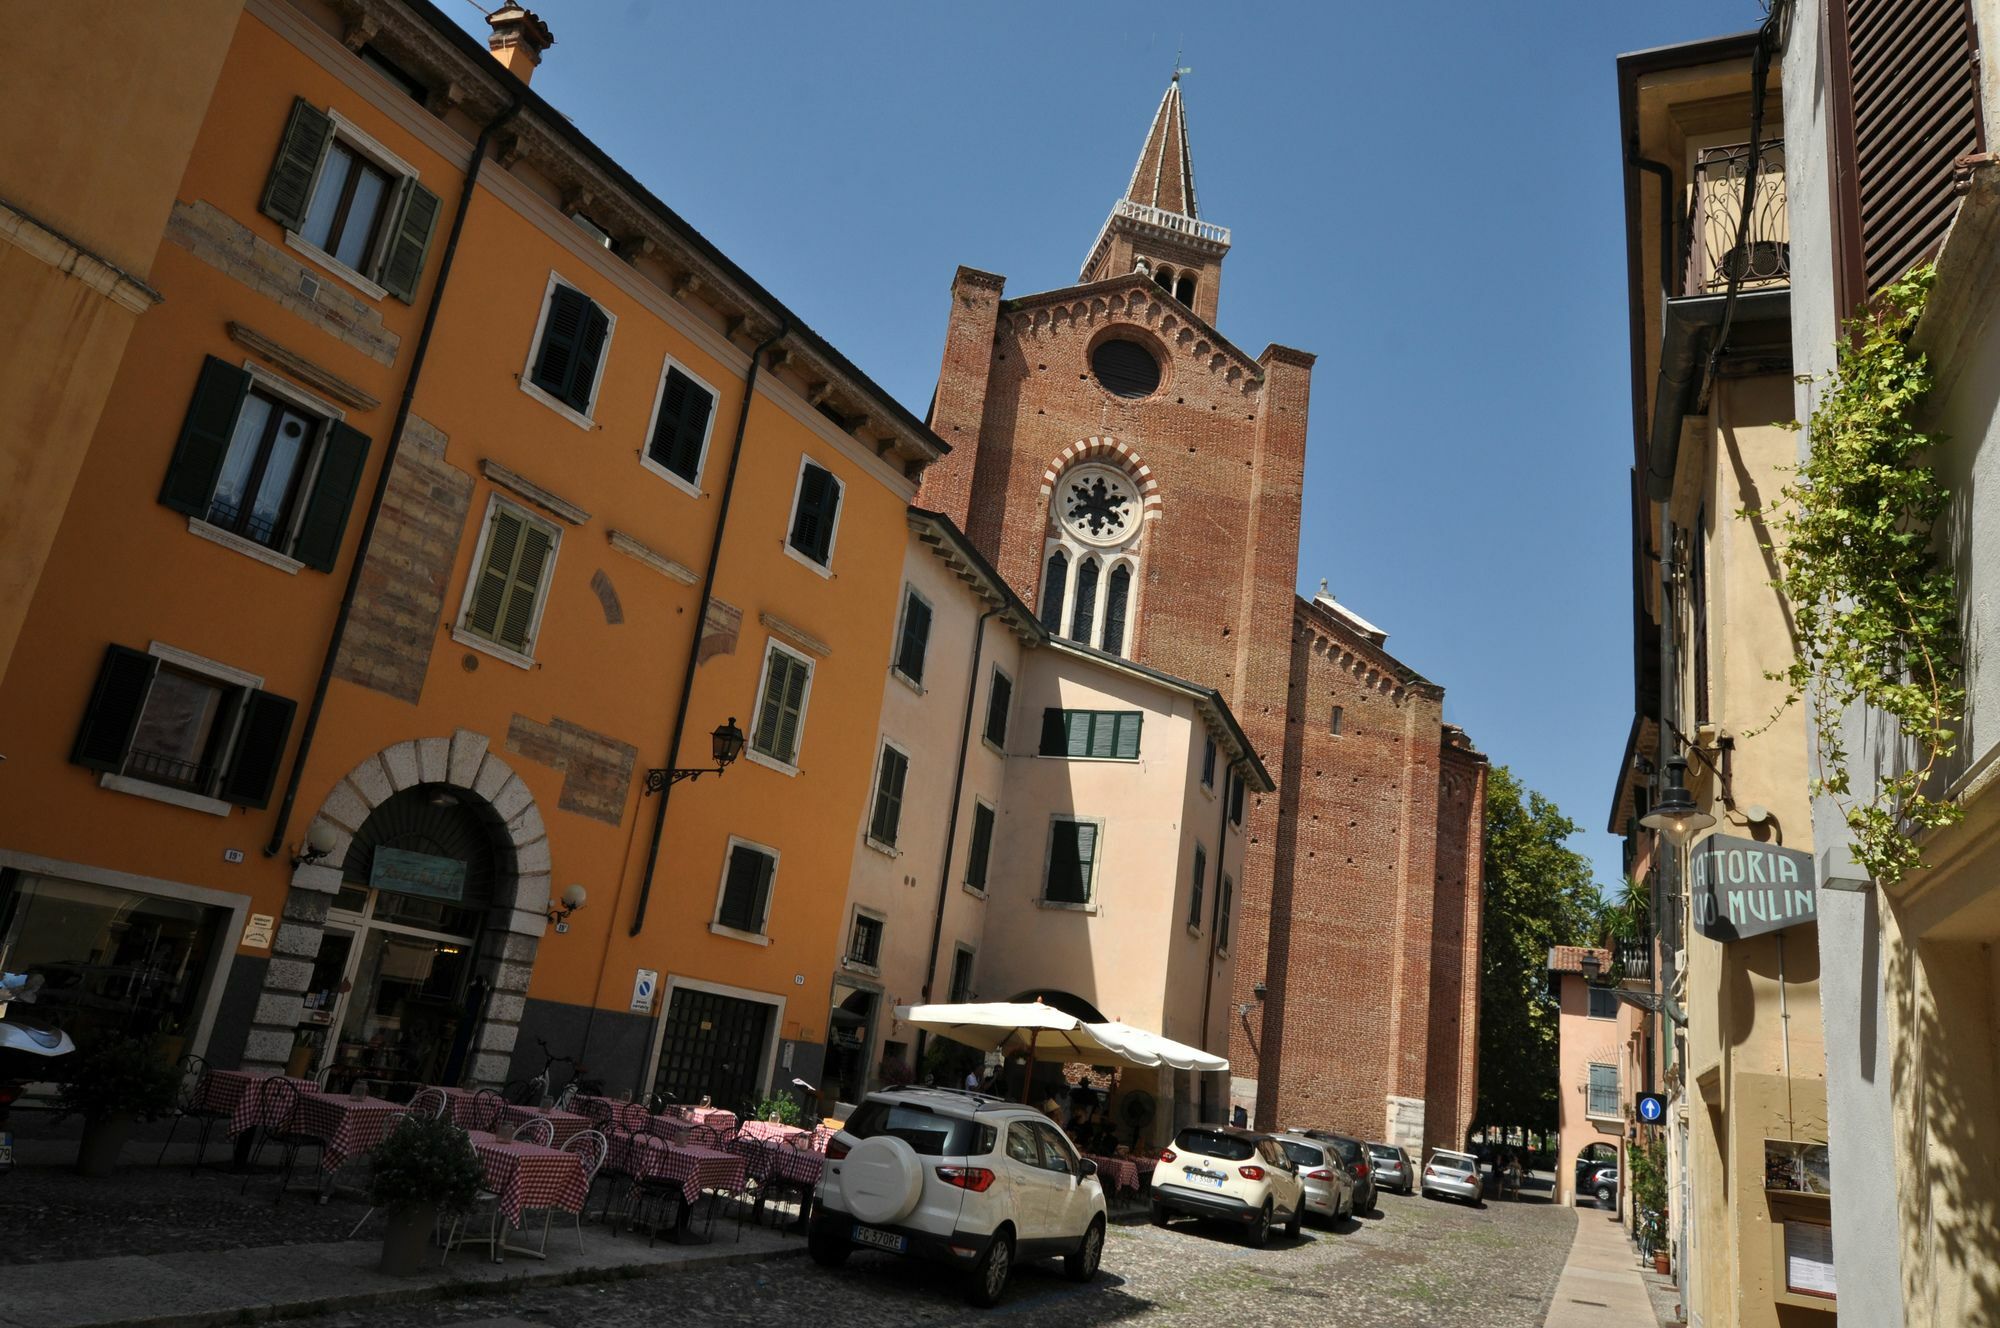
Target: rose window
x,y
1098,505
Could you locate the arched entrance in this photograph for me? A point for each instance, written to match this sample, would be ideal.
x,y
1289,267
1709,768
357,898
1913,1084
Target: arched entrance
x,y
407,953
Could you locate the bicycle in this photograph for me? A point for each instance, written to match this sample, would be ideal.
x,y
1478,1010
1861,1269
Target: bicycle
x,y
530,1091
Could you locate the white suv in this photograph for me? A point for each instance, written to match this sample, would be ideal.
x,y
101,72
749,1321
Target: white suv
x,y
962,1178
1236,1175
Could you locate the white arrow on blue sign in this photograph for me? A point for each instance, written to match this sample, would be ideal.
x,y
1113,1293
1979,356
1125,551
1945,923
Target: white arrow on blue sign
x,y
1651,1107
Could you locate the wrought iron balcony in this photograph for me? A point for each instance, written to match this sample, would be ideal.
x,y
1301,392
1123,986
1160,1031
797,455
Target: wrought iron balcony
x,y
1715,212
1634,960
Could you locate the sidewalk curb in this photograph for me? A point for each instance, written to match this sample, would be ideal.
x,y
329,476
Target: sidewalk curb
x,y
418,1292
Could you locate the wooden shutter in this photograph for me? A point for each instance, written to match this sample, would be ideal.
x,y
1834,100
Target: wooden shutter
x,y
288,191
916,638
555,361
744,889
1055,733
1223,900
982,846
818,507
792,710
252,769
517,619
489,595
1208,763
204,440
589,349
1065,884
410,241
1086,858
113,713
999,700
325,519
895,767
1235,799
1200,881
1103,740
783,707
682,425
1125,741
510,580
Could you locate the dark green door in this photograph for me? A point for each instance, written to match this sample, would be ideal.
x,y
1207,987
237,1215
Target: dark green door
x,y
713,1046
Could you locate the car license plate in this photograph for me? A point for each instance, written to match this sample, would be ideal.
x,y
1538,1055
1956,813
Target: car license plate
x,y
881,1240
1215,1178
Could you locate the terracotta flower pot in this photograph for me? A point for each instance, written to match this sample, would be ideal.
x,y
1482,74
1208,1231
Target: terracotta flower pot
x,y
406,1241
1661,1263
103,1140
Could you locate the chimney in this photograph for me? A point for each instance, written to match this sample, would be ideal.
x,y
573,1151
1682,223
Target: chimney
x,y
518,40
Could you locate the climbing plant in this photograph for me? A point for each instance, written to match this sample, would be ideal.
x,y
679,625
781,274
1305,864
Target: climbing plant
x,y
1875,609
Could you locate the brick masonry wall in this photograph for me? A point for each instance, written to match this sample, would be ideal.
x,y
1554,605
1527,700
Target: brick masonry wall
x,y
1452,1079
597,768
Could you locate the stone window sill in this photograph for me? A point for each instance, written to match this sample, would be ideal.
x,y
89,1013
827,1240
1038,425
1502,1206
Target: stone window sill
x,y
1089,908
886,850
752,937
770,762
229,539
562,408
500,652
322,259
161,793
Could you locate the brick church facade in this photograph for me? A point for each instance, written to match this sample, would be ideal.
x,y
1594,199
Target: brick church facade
x,y
1137,477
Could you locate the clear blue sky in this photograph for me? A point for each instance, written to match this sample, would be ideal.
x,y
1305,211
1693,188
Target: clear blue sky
x,y
1426,196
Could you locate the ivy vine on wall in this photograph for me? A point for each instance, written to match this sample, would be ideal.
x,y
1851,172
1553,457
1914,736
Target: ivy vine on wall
x,y
1875,609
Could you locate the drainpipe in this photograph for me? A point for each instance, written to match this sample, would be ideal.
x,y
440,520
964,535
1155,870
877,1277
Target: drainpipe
x,y
1221,853
701,620
417,357
1668,253
951,819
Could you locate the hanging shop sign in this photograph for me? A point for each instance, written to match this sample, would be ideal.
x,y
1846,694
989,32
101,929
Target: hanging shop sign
x,y
1743,888
422,874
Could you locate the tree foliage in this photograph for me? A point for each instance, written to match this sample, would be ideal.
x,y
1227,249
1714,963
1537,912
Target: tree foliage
x,y
1539,893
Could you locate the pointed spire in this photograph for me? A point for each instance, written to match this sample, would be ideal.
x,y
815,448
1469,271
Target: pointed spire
x,y
1164,176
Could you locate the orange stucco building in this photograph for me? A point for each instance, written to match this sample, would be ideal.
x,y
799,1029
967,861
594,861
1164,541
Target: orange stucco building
x,y
454,485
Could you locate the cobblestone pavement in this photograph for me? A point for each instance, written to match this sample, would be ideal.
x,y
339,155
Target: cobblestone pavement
x,y
1415,1264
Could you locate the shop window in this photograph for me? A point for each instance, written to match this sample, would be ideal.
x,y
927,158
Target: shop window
x,y
345,199
781,707
864,944
683,416
914,638
1105,735
744,902
981,847
509,586
815,515
887,817
256,465
999,700
1072,861
568,360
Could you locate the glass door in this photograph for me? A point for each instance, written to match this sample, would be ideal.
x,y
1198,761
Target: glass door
x,y
325,995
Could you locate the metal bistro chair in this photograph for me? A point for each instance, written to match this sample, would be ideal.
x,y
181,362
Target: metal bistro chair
x,y
590,1147
650,1190
781,1183
278,1100
491,1240
192,1105
484,1113
541,1130
429,1104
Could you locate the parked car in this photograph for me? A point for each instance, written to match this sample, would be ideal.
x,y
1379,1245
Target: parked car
x,y
1392,1168
1237,1175
1359,1165
960,1178
1589,1164
1603,1184
1329,1184
1453,1175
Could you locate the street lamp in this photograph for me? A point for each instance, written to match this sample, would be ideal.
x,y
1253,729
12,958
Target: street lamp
x,y
725,745
1675,815
1591,966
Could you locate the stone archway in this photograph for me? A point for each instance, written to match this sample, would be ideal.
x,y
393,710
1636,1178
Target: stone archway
x,y
515,921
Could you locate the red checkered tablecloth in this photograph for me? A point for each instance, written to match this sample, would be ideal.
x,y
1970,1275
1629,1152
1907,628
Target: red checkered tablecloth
x,y
624,1115
238,1092
1118,1174
346,1127
715,1118
799,1164
693,1167
567,1123
530,1176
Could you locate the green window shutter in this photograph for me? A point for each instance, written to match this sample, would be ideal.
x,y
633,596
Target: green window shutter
x,y
982,846
555,360
409,241
489,596
1235,799
999,700
589,349
916,638
1055,733
1222,904
204,440
743,892
517,619
793,710
895,768
1200,880
252,769
1208,764
1101,742
1125,735
1086,855
325,520
115,702
818,508
678,433
782,708
289,190
1071,854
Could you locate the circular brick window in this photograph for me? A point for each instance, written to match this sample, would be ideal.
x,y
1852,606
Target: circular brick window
x,y
1125,368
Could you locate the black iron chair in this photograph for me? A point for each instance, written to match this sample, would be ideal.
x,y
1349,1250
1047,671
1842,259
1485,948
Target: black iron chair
x,y
191,1105
278,1100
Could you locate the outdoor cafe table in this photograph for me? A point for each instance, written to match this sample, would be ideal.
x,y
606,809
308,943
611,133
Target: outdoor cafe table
x,y
715,1118
240,1093
1119,1174
345,1126
692,1167
624,1115
525,1176
567,1123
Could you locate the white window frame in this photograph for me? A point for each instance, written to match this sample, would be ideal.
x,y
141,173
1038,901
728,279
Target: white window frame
x,y
998,749
366,145
965,873
750,751
849,962
792,516
1094,904
1617,1091
214,671
762,936
902,619
587,418
875,792
471,639
327,414
692,488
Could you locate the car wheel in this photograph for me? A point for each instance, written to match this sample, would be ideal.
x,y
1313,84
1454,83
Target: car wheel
x,y
1160,1215
828,1248
1298,1219
990,1274
1258,1234
1604,1196
1081,1266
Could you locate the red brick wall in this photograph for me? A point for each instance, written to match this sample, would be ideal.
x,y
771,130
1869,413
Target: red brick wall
x,y
1454,1032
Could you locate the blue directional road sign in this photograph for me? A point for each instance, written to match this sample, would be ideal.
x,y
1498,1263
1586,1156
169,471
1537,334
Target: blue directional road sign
x,y
1651,1108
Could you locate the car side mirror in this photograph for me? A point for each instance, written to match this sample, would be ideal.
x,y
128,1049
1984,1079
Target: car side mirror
x,y
1085,1168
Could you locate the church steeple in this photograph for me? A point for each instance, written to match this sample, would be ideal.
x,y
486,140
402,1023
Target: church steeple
x,y
1156,227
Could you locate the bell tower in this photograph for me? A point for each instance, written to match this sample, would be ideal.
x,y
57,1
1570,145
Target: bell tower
x,y
1155,228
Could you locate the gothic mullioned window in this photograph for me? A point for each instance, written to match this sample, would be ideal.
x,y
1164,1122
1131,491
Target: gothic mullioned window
x,y
1091,558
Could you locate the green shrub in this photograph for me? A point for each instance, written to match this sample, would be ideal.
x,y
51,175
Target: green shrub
x,y
118,1076
782,1109
424,1164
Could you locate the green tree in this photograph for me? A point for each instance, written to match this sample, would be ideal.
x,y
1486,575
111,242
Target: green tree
x,y
1539,893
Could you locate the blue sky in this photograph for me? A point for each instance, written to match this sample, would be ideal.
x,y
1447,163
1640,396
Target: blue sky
x,y
1428,197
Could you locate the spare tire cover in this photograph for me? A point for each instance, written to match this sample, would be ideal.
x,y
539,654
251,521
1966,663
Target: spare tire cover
x,y
881,1179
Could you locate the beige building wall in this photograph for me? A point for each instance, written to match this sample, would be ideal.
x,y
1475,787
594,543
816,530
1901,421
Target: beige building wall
x,y
1584,1041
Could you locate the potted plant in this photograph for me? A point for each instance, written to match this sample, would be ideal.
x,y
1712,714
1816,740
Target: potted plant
x,y
424,1167
117,1080
781,1109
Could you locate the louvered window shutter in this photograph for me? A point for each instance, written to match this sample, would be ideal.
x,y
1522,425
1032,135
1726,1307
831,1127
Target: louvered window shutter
x,y
1086,858
743,894
916,638
113,713
204,440
682,426
325,520
555,361
1223,901
982,846
489,596
1200,881
818,508
517,619
589,350
793,710
998,701
1236,800
1065,884
252,769
1055,733
410,241
1103,736
1078,722
889,779
288,191
782,708
1125,742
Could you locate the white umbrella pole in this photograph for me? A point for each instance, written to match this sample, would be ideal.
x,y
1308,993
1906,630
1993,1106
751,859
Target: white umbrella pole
x,y
1028,1072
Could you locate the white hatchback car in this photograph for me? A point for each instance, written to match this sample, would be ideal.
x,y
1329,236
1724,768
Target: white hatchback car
x,y
961,1178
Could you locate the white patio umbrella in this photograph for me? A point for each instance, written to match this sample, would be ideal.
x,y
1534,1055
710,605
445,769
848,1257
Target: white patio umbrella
x,y
991,1025
1136,1046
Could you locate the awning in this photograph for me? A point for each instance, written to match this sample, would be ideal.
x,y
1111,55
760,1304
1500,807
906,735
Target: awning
x,y
1135,1046
1044,1031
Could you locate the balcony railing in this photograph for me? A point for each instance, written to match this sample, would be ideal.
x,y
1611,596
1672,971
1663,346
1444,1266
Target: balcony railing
x,y
1715,211
1634,959
1172,221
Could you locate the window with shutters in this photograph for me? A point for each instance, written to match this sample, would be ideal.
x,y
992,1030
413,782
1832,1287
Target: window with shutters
x,y
864,939
349,204
1235,800
677,436
1602,1002
886,816
961,975
999,704
1208,763
1093,735
782,694
1072,869
913,638
170,725
566,356
1200,884
1601,1097
264,468
743,899
1225,899
509,586
815,516
979,849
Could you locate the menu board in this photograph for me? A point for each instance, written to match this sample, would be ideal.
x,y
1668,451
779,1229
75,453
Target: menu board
x,y
1809,1258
